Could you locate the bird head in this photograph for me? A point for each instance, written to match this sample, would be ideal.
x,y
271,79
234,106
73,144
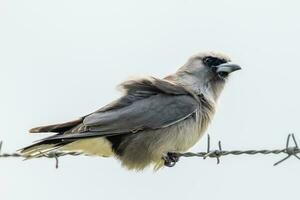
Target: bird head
x,y
206,73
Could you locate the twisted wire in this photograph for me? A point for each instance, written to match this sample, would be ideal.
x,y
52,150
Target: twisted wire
x,y
289,150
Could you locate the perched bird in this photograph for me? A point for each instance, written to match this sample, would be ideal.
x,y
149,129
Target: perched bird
x,y
151,123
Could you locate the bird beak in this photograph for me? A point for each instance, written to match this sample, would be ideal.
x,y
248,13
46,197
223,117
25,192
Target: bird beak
x,y
227,68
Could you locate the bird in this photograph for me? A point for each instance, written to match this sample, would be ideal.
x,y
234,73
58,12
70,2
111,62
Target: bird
x,y
152,123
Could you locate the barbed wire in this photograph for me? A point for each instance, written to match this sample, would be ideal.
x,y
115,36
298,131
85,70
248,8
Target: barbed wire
x,y
289,150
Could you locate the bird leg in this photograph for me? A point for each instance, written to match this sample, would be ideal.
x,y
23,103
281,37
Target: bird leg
x,y
171,159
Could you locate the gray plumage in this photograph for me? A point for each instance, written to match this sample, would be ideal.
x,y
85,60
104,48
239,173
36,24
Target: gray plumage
x,y
155,117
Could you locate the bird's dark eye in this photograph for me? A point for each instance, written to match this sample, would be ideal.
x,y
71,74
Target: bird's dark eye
x,y
212,61
223,74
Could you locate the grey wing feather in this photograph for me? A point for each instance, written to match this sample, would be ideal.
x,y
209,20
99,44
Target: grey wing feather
x,y
56,127
152,113
159,111
147,104
138,89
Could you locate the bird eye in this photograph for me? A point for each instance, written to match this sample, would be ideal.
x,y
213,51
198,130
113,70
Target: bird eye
x,y
223,74
212,61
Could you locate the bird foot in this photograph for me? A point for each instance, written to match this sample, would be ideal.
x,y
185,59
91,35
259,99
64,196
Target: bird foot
x,y
171,159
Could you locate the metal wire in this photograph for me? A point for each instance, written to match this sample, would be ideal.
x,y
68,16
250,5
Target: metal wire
x,y
289,150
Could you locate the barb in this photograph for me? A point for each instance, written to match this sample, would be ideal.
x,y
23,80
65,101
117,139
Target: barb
x,y
289,150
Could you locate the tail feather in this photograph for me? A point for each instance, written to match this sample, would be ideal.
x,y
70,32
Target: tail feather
x,y
99,146
40,149
56,128
64,142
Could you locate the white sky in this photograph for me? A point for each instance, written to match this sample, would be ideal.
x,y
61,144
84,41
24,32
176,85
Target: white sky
x,y
62,59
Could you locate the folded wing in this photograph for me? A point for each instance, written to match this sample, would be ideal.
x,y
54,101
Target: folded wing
x,y
147,104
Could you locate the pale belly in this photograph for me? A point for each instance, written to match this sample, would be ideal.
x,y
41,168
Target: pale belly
x,y
179,137
93,146
151,146
186,135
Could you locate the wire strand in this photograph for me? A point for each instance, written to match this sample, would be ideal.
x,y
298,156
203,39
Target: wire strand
x,y
290,150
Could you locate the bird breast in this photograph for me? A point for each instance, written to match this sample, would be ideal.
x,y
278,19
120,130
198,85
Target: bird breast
x,y
182,136
191,130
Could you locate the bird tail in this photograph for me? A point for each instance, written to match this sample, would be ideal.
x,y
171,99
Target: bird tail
x,y
56,128
98,146
40,149
49,144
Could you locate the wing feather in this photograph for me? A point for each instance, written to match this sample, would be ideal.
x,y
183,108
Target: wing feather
x,y
152,113
147,104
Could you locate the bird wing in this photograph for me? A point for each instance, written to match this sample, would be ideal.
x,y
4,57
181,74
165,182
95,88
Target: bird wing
x,y
155,112
148,104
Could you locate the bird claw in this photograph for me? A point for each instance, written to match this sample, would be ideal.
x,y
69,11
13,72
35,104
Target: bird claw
x,y
171,159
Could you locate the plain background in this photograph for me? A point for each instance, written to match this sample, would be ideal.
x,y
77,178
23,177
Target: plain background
x,y
62,59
